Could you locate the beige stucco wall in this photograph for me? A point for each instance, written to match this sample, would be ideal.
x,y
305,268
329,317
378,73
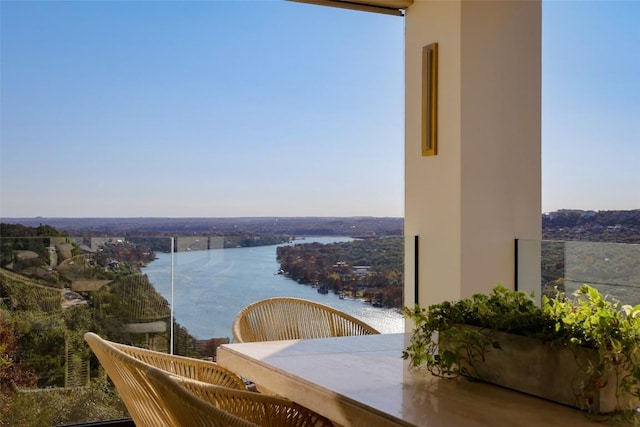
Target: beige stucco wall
x,y
483,189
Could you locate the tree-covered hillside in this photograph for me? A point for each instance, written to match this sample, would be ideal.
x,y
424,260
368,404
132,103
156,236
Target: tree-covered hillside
x,y
371,268
593,226
51,293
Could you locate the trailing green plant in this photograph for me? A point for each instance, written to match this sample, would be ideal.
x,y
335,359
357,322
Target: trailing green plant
x,y
586,320
594,321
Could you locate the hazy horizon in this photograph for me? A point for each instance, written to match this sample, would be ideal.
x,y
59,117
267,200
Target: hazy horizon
x,y
266,216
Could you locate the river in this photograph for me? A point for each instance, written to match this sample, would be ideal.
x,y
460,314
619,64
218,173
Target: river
x,y
211,286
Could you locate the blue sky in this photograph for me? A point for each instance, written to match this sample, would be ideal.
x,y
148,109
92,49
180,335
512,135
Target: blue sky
x,y
591,105
274,108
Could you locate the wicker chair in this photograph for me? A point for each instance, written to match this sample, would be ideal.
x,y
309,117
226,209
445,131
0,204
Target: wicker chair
x,y
255,409
129,375
188,410
284,318
127,366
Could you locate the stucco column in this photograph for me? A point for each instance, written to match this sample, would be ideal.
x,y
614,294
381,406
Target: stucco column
x,y
482,190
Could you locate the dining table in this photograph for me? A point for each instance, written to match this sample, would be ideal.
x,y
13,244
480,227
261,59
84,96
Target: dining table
x,y
364,381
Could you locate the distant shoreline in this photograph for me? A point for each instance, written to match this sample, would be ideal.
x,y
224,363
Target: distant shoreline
x,y
621,226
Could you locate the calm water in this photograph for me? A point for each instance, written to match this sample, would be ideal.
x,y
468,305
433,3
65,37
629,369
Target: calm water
x,y
210,287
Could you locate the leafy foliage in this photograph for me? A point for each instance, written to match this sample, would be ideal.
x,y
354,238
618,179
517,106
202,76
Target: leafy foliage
x,y
11,373
49,407
21,293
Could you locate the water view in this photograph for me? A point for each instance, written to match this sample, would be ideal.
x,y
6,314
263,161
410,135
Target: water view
x,y
211,286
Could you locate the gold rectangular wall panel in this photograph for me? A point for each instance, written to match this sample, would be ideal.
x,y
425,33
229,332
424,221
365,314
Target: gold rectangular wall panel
x,y
430,100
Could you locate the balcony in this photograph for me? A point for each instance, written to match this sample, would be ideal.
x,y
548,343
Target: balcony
x,y
54,289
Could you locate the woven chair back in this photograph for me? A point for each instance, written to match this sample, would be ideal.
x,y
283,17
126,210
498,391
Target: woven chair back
x,y
186,408
196,369
262,409
129,377
285,318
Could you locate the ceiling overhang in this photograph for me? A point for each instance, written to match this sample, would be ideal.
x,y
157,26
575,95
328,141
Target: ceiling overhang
x,y
389,7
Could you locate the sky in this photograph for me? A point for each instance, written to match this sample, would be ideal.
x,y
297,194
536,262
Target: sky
x,y
272,108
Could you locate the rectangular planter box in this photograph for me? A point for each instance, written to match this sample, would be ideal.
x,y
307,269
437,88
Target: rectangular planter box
x,y
548,371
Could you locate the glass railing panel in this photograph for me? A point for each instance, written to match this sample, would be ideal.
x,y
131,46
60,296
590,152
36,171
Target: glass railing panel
x,y
127,289
612,268
55,289
528,254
